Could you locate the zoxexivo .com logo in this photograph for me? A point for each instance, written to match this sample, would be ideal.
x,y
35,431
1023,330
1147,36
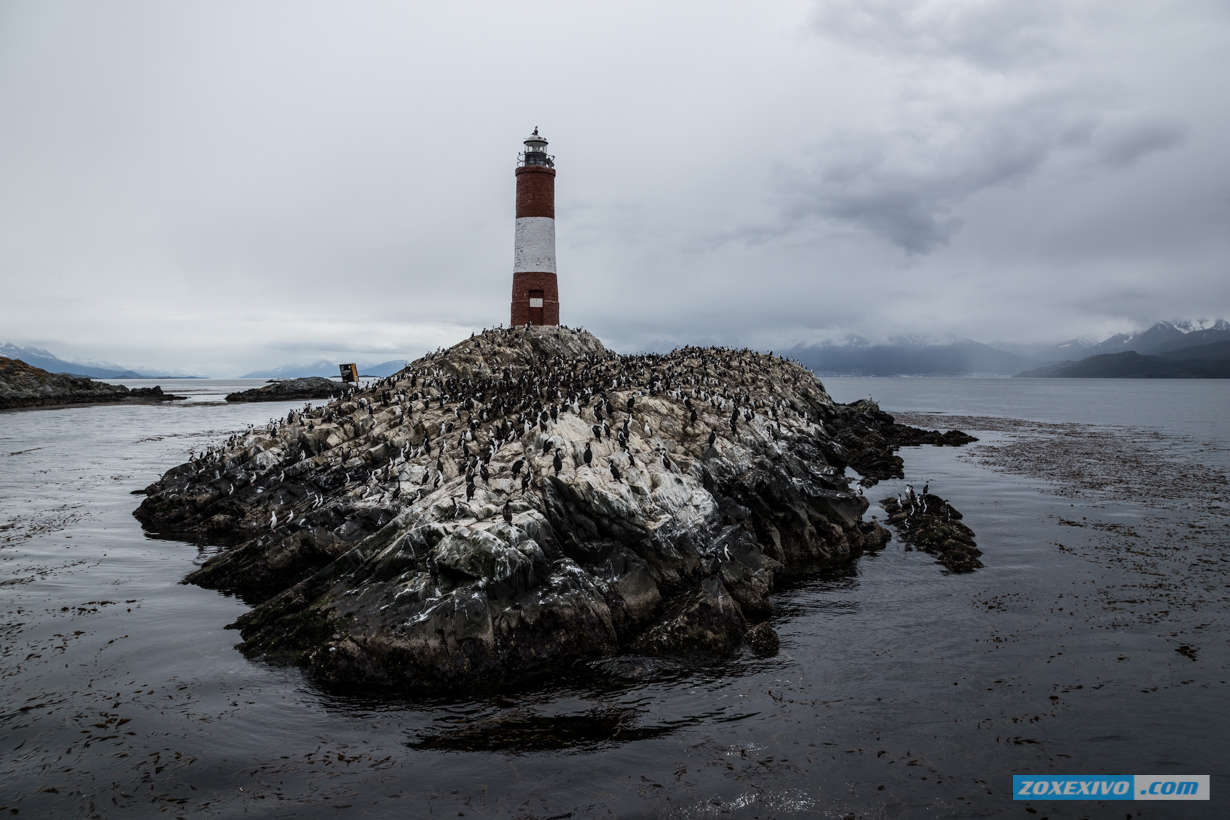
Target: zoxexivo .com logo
x,y
1111,787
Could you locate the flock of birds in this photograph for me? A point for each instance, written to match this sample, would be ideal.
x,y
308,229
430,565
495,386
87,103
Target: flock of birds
x,y
453,413
912,504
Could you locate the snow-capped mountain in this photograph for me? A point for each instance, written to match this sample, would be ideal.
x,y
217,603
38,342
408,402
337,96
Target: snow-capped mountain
x,y
1164,336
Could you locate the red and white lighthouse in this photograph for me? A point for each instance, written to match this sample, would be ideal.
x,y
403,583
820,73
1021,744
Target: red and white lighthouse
x,y
535,296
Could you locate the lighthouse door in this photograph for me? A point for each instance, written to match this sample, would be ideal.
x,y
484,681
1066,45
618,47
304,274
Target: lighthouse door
x,y
535,307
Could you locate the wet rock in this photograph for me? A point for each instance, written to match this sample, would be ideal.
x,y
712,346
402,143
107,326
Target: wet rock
x,y
312,387
524,500
934,526
871,437
705,621
905,436
762,639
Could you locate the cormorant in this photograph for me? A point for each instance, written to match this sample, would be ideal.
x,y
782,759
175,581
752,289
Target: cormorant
x,y
589,455
614,471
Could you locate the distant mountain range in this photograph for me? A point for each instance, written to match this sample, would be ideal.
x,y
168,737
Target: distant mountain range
x,y
45,359
325,368
856,357
963,357
1208,361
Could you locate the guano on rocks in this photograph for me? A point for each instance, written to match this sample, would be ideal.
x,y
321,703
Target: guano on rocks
x,y
526,499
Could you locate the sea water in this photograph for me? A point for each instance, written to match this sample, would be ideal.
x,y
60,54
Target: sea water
x,y
1093,642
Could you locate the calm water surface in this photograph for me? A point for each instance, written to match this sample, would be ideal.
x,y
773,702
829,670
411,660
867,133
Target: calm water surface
x,y
900,690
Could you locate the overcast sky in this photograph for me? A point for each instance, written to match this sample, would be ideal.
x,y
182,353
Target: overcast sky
x,y
224,186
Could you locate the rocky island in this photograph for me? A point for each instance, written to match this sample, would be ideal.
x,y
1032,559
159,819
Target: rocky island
x,y
528,498
312,387
23,385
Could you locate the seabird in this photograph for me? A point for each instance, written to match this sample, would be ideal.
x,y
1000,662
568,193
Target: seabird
x,y
712,437
557,462
614,471
588,456
508,512
517,465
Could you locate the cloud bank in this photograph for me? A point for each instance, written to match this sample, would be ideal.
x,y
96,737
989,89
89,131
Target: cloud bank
x,y
222,187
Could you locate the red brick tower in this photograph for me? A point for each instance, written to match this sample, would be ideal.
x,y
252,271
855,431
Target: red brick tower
x,y
535,296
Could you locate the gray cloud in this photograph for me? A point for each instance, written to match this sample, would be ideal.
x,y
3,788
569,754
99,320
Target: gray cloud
x,y
204,186
991,34
903,182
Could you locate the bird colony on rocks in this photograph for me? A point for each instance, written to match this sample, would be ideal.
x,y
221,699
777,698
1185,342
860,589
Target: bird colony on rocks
x,y
529,499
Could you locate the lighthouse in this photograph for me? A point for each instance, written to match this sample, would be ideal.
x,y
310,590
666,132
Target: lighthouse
x,y
535,296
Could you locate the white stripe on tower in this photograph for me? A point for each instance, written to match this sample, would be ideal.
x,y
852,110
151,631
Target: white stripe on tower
x,y
534,250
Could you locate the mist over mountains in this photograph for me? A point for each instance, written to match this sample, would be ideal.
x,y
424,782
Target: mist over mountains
x,y
94,369
900,356
1162,337
964,357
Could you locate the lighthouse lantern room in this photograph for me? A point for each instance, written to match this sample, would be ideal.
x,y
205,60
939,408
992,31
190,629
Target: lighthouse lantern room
x,y
535,295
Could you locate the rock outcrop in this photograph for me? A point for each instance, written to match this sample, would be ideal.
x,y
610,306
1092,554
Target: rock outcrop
x,y
23,385
312,387
525,499
934,526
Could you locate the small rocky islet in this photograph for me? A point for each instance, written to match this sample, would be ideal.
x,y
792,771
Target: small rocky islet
x,y
528,498
24,386
932,525
309,387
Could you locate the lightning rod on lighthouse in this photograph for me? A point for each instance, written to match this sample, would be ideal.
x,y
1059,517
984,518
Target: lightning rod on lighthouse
x,y
535,294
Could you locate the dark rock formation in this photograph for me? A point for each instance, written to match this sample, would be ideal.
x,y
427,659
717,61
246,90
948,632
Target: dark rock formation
x,y
23,385
525,499
871,436
312,387
934,526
